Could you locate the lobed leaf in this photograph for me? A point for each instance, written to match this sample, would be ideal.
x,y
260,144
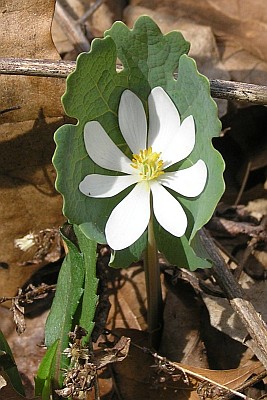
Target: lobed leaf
x,y
93,92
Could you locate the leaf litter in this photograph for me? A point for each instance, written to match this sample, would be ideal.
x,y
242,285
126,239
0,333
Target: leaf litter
x,y
128,305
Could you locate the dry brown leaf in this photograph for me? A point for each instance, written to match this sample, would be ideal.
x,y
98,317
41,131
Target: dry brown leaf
x,y
18,315
136,379
231,379
127,298
29,201
222,316
102,19
181,337
3,382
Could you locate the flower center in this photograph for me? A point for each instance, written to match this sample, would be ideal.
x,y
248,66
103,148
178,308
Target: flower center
x,y
148,163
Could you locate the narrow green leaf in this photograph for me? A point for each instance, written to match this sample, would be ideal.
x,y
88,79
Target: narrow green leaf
x,y
45,374
61,317
68,294
8,364
90,298
75,299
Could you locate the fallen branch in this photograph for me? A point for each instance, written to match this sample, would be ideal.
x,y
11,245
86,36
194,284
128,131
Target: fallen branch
x,y
256,327
239,91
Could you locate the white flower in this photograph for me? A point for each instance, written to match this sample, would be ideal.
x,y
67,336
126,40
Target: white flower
x,y
166,142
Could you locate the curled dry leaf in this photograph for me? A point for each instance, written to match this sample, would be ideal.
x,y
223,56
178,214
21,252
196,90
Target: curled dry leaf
x,y
3,382
18,315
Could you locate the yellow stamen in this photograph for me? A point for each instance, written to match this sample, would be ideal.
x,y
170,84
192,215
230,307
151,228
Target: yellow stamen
x,y
148,163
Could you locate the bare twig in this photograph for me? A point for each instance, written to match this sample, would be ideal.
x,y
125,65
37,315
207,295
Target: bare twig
x,y
70,27
32,293
244,182
61,69
234,228
255,326
28,67
9,109
187,371
90,11
240,91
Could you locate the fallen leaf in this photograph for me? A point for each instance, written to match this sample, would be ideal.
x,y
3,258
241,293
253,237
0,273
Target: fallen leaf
x,y
27,349
3,382
222,316
127,298
29,200
18,315
181,337
135,377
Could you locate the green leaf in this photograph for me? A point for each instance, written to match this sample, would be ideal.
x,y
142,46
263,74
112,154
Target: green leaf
x,y
123,259
90,298
75,299
93,93
180,249
70,287
191,94
7,363
148,57
45,374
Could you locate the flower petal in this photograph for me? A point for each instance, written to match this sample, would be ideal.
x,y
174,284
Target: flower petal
x,y
168,212
189,182
96,185
132,121
129,218
164,119
103,150
182,143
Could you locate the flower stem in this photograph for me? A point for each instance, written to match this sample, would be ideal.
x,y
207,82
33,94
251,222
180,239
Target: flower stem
x,y
153,288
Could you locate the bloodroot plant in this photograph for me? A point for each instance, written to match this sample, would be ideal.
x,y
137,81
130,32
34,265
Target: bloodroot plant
x,y
137,172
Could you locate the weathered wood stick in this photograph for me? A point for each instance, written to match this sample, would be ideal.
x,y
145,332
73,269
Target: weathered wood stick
x,y
256,327
245,92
